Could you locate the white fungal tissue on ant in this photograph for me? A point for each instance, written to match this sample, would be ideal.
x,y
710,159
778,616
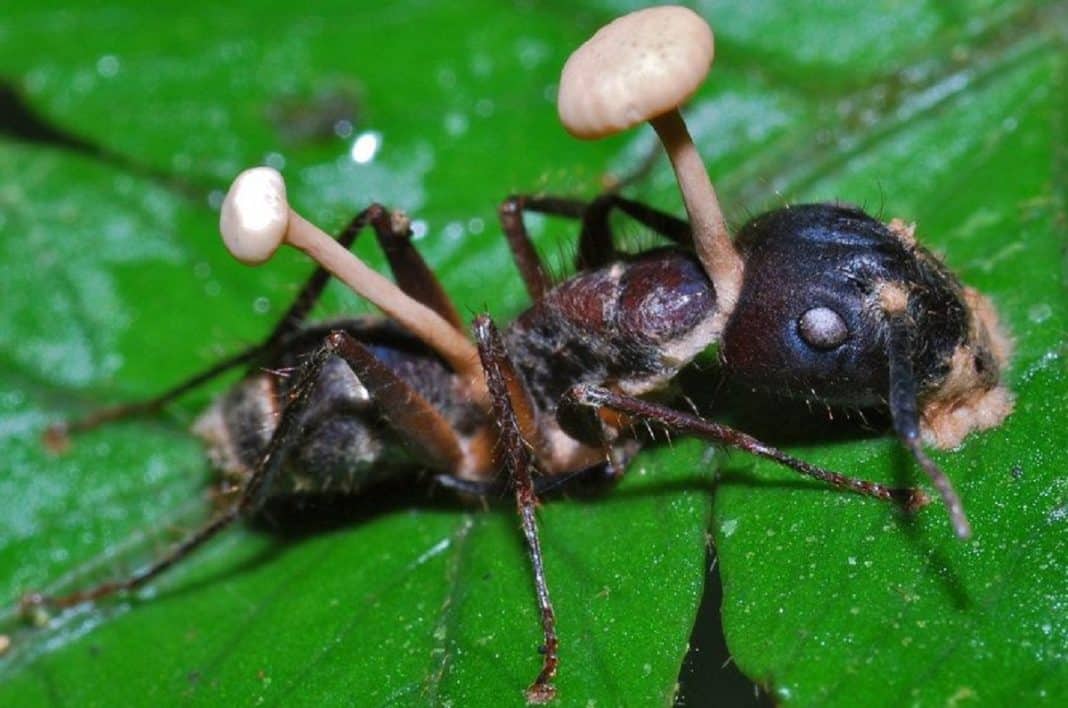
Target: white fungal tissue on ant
x,y
818,301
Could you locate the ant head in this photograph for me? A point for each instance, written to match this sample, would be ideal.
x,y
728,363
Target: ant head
x,y
839,308
830,293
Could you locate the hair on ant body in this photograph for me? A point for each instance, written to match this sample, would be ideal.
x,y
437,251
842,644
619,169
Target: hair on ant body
x,y
817,301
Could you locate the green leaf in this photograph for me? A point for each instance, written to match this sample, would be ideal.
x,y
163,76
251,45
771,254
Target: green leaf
x,y
958,127
115,286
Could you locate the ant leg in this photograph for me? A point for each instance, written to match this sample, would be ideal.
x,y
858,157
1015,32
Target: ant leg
x,y
530,265
405,410
904,411
596,244
56,435
414,277
418,423
514,415
596,398
284,436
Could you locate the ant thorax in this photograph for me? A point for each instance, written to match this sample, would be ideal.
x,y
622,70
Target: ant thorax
x,y
632,325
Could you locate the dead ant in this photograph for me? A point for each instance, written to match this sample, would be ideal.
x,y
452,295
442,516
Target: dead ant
x,y
818,301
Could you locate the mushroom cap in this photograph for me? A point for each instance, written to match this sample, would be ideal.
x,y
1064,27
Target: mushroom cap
x,y
633,69
255,215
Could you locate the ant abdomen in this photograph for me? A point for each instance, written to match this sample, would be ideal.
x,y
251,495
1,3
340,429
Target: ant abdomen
x,y
344,445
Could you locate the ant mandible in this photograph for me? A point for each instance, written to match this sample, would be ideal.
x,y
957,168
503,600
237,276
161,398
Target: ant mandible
x,y
819,301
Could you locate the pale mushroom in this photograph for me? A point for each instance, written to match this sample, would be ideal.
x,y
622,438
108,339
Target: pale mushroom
x,y
642,67
256,219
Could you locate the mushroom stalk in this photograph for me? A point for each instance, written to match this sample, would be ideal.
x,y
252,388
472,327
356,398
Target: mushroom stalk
x,y
711,240
642,67
256,219
368,283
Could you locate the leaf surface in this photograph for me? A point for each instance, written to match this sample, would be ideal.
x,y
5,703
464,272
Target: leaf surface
x,y
115,286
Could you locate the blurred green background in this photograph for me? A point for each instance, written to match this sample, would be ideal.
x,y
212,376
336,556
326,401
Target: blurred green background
x,y
122,126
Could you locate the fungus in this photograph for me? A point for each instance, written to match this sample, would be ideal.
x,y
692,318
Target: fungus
x,y
642,67
256,219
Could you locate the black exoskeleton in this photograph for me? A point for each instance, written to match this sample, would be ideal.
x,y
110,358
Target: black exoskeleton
x,y
824,265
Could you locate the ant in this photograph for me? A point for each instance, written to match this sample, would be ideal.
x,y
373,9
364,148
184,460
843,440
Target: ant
x,y
817,301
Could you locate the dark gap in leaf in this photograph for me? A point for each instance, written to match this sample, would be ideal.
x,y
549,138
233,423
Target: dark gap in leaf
x,y
709,675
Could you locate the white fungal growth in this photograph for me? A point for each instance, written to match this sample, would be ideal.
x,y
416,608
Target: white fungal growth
x,y
255,215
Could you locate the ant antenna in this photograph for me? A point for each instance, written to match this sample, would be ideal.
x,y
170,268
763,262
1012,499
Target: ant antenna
x,y
256,219
904,408
642,67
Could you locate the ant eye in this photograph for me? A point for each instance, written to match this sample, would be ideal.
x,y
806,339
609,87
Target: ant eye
x,y
822,328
